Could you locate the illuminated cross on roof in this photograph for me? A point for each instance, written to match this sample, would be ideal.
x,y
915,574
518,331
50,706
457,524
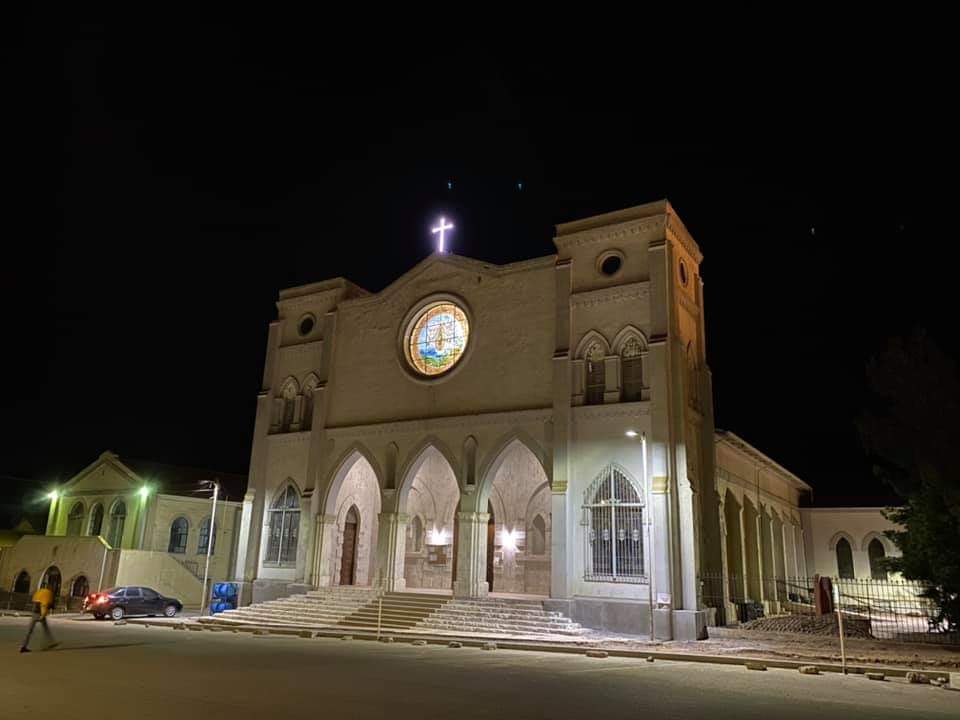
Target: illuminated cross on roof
x,y
444,225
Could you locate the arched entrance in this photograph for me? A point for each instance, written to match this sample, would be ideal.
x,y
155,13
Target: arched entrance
x,y
432,498
350,544
348,548
519,528
22,583
51,580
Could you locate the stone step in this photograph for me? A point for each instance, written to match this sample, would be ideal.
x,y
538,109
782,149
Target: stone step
x,y
529,625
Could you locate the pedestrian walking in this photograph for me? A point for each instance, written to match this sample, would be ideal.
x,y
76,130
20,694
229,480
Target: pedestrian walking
x,y
42,604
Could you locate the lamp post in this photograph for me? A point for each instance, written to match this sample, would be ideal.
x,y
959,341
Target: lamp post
x,y
206,566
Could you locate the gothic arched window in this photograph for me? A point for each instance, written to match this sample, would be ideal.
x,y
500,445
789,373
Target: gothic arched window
x,y
416,531
309,385
613,516
96,520
844,559
118,516
75,519
631,370
178,536
284,527
22,583
876,553
538,536
288,393
595,383
204,538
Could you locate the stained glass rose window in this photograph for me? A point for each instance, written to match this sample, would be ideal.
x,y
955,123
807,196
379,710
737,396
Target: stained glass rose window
x,y
437,338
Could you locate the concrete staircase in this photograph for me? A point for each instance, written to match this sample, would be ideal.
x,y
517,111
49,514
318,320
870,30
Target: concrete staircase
x,y
318,608
504,616
398,611
359,608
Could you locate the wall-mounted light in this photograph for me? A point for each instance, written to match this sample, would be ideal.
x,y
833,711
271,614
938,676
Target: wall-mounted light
x,y
507,539
144,491
631,433
438,537
53,495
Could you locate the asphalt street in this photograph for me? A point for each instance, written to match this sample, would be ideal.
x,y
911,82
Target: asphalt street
x,y
129,671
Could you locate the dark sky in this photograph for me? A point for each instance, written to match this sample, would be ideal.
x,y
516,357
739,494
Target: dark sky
x,y
169,179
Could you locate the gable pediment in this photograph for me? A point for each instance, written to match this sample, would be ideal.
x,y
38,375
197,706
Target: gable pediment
x,y
107,473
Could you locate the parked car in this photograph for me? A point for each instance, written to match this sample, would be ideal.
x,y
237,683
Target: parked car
x,y
119,602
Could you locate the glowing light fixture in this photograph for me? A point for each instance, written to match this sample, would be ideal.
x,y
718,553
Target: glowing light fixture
x,y
144,491
507,539
53,495
437,537
441,228
631,433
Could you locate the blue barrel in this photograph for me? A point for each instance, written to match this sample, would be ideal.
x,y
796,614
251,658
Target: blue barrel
x,y
226,591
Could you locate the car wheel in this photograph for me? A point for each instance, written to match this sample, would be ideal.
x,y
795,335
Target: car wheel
x,y
170,611
117,613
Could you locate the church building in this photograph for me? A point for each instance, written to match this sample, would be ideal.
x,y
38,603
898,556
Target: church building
x,y
542,428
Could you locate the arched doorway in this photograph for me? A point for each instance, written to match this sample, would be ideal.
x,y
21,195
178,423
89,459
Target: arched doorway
x,y
519,528
350,547
22,583
80,587
430,494
348,550
51,580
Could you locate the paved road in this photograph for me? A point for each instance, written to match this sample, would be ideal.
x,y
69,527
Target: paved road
x,y
102,670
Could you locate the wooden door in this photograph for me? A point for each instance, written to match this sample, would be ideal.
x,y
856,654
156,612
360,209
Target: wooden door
x,y
349,553
491,538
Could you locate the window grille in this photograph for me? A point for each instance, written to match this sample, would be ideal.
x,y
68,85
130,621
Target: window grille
x,y
178,536
613,529
75,519
118,517
96,519
284,528
204,538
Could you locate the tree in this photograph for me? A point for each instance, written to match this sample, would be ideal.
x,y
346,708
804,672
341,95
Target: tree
x,y
910,432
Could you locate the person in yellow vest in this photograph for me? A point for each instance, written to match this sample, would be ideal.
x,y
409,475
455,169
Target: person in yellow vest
x,y
42,604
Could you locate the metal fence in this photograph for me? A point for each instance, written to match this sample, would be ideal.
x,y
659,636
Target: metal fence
x,y
885,609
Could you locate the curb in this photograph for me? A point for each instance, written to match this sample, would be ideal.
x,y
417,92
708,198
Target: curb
x,y
400,637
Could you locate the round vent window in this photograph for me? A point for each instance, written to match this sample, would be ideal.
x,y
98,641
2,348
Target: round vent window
x,y
683,273
609,263
306,325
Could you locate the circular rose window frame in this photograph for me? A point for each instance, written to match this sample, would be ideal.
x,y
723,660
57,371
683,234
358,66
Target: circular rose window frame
x,y
411,319
606,255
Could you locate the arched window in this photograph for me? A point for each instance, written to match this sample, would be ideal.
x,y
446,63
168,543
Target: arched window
x,y
631,370
118,516
309,385
844,559
613,516
416,533
288,393
284,528
75,519
595,383
80,587
96,519
204,538
51,580
22,583
538,536
178,536
876,553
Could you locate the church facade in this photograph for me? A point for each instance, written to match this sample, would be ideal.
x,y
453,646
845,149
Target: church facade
x,y
543,427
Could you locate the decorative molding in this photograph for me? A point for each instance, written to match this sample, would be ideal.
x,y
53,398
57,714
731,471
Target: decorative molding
x,y
612,410
307,348
620,231
618,293
677,231
289,438
435,424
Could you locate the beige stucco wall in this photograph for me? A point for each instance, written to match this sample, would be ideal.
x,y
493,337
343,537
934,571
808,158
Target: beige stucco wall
x,y
824,526
160,571
72,556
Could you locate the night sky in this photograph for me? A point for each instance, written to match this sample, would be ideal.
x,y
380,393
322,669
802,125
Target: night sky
x,y
170,179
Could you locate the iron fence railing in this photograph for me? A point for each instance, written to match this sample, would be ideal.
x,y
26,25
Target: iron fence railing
x,y
892,609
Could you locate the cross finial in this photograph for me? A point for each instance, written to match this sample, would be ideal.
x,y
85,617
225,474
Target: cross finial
x,y
444,226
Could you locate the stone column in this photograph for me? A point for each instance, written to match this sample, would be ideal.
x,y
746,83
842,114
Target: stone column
x,y
391,545
324,550
725,569
471,580
559,538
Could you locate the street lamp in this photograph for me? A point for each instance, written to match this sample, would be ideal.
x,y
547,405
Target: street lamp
x,y
213,522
